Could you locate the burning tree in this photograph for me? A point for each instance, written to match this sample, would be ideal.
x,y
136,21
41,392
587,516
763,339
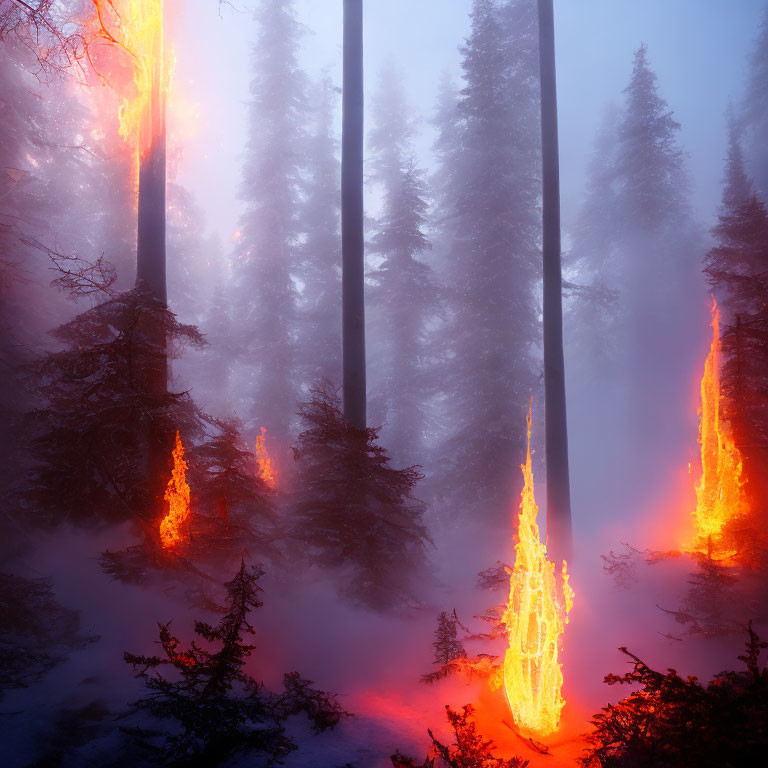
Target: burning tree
x,y
535,620
233,503
355,513
100,418
719,495
133,33
676,722
737,269
217,708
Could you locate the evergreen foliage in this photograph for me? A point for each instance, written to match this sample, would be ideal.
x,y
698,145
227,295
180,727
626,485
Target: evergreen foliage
x,y
487,245
91,437
754,110
737,270
403,296
218,710
265,296
469,750
232,504
447,647
36,632
355,514
319,258
675,721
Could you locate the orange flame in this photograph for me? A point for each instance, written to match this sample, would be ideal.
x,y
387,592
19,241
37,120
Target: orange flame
x,y
173,525
266,469
719,491
536,615
136,26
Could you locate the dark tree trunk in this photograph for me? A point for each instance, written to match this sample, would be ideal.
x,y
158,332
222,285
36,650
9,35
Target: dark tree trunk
x,y
559,534
150,245
353,277
151,272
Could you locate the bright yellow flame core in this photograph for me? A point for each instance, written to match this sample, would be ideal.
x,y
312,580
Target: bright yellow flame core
x,y
719,491
173,525
536,615
137,27
266,469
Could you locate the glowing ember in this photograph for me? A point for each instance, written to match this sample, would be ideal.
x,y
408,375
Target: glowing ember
x,y
173,526
266,470
536,615
719,491
136,26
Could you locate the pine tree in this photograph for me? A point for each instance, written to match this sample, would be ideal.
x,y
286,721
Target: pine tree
x,y
88,438
674,721
488,206
403,295
656,251
355,514
233,506
46,215
754,112
649,158
447,647
265,297
219,710
741,250
319,341
737,269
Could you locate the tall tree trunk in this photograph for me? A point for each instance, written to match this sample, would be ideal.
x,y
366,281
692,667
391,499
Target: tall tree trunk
x,y
151,268
559,529
150,245
352,248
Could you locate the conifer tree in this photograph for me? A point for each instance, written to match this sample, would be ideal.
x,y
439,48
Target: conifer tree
x,y
218,709
319,337
674,721
267,251
403,295
655,255
754,112
49,195
233,505
355,514
488,206
737,270
88,437
447,647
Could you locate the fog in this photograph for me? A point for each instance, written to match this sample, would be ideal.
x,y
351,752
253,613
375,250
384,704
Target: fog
x,y
369,534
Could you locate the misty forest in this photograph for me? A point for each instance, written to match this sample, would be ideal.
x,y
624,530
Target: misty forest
x,y
384,384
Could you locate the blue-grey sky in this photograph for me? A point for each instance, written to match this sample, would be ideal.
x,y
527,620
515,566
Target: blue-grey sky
x,y
699,49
